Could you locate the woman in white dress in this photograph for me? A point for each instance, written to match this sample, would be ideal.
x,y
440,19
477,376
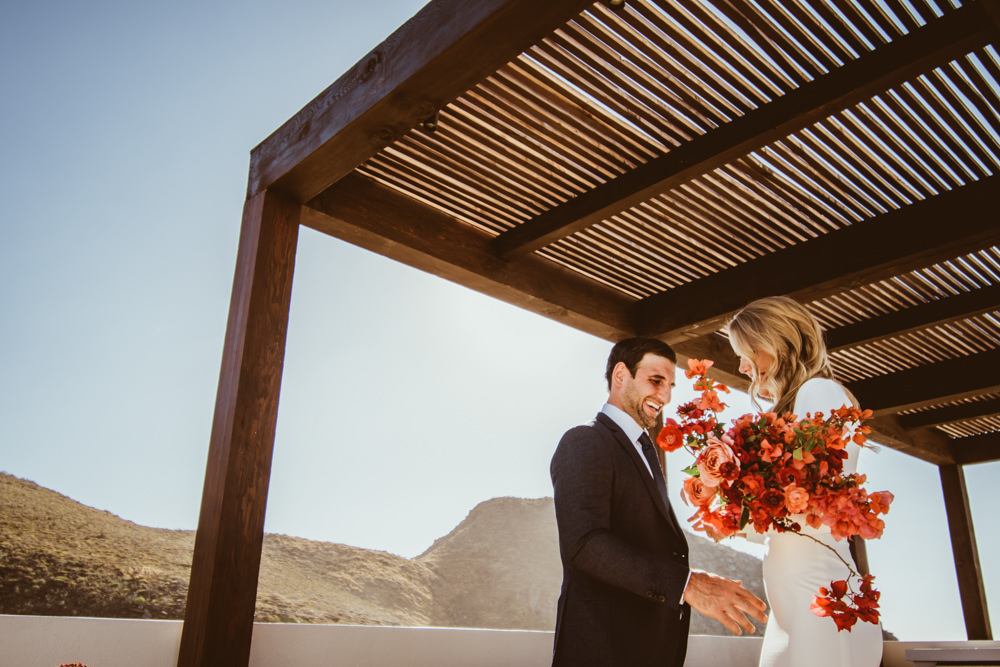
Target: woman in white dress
x,y
781,349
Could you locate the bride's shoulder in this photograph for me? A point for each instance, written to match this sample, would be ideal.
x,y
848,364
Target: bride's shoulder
x,y
820,394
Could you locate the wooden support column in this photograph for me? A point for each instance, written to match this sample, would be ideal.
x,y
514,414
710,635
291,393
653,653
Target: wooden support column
x,y
218,621
963,545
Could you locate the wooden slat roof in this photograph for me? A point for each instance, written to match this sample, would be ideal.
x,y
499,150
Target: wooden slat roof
x,y
650,168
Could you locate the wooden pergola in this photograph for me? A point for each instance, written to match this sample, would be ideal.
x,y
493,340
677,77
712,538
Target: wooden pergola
x,y
647,167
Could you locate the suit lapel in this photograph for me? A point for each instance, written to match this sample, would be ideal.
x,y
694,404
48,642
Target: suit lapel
x,y
640,466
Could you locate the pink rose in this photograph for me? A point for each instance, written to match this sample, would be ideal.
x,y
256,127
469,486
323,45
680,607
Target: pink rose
x,y
696,494
713,457
796,499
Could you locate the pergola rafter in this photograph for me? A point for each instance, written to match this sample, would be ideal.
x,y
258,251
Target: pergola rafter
x,y
940,382
952,413
923,50
883,247
931,314
647,169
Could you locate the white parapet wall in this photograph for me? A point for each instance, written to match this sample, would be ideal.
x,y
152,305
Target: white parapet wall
x,y
45,641
48,641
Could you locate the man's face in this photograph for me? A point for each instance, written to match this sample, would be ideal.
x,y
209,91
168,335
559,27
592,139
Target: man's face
x,y
643,396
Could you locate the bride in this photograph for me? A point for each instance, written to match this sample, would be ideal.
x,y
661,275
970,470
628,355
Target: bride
x,y
781,349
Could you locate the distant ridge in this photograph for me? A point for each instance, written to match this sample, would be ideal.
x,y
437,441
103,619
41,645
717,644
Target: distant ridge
x,y
498,568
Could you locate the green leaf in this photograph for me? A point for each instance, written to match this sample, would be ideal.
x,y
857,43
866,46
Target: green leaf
x,y
692,470
797,453
744,517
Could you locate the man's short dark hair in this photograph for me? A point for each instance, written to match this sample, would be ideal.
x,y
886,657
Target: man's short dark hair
x,y
631,351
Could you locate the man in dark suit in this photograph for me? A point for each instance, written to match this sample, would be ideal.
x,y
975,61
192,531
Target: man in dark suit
x,y
627,589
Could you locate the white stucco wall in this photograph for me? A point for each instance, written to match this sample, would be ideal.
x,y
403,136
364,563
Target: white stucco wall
x,y
41,641
45,641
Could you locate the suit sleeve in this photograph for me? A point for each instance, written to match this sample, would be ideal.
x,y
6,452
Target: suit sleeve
x,y
582,480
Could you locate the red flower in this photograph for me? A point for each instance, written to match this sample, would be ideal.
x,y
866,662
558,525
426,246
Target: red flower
x,y
862,606
671,437
789,475
767,466
730,470
773,501
690,411
753,484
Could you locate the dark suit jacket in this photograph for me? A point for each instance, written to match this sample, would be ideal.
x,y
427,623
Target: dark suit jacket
x,y
624,556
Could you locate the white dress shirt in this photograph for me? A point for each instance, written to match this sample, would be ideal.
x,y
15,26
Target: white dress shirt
x,y
631,428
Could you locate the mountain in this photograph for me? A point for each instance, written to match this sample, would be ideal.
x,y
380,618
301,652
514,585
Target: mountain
x,y
498,568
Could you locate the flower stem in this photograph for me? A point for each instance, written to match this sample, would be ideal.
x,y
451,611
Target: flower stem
x,y
823,544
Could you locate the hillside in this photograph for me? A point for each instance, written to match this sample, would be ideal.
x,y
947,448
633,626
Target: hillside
x,y
498,568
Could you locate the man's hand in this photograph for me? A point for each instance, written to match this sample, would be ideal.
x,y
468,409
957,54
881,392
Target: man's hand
x,y
724,600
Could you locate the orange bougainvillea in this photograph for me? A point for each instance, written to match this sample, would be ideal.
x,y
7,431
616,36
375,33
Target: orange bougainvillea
x,y
771,472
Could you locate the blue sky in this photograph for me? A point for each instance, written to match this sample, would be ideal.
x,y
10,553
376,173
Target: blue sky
x,y
406,400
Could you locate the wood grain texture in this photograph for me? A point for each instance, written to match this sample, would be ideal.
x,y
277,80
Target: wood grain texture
x,y
982,448
930,384
866,252
366,214
963,545
952,413
445,49
916,318
952,36
219,617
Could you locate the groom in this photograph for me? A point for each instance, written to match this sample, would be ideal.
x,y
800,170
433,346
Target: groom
x,y
627,589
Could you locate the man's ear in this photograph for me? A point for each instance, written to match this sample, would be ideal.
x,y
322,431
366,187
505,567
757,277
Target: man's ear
x,y
619,374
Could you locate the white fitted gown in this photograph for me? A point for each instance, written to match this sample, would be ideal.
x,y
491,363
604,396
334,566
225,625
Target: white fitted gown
x,y
795,567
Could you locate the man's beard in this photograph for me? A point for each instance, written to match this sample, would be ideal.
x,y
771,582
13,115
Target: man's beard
x,y
635,406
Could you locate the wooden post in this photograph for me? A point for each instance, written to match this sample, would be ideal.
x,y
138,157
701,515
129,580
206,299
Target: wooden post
x,y
963,544
218,621
859,552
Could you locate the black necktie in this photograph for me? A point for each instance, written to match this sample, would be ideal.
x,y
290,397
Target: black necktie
x,y
654,465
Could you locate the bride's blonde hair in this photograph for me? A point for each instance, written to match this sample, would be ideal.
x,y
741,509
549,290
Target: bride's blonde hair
x,y
784,329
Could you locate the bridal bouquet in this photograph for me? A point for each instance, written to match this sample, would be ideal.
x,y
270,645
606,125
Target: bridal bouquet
x,y
772,471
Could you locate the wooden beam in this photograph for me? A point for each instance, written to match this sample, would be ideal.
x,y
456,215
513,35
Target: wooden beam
x,y
992,10
866,252
443,51
952,413
982,448
916,318
935,44
371,216
218,620
926,444
928,385
963,545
